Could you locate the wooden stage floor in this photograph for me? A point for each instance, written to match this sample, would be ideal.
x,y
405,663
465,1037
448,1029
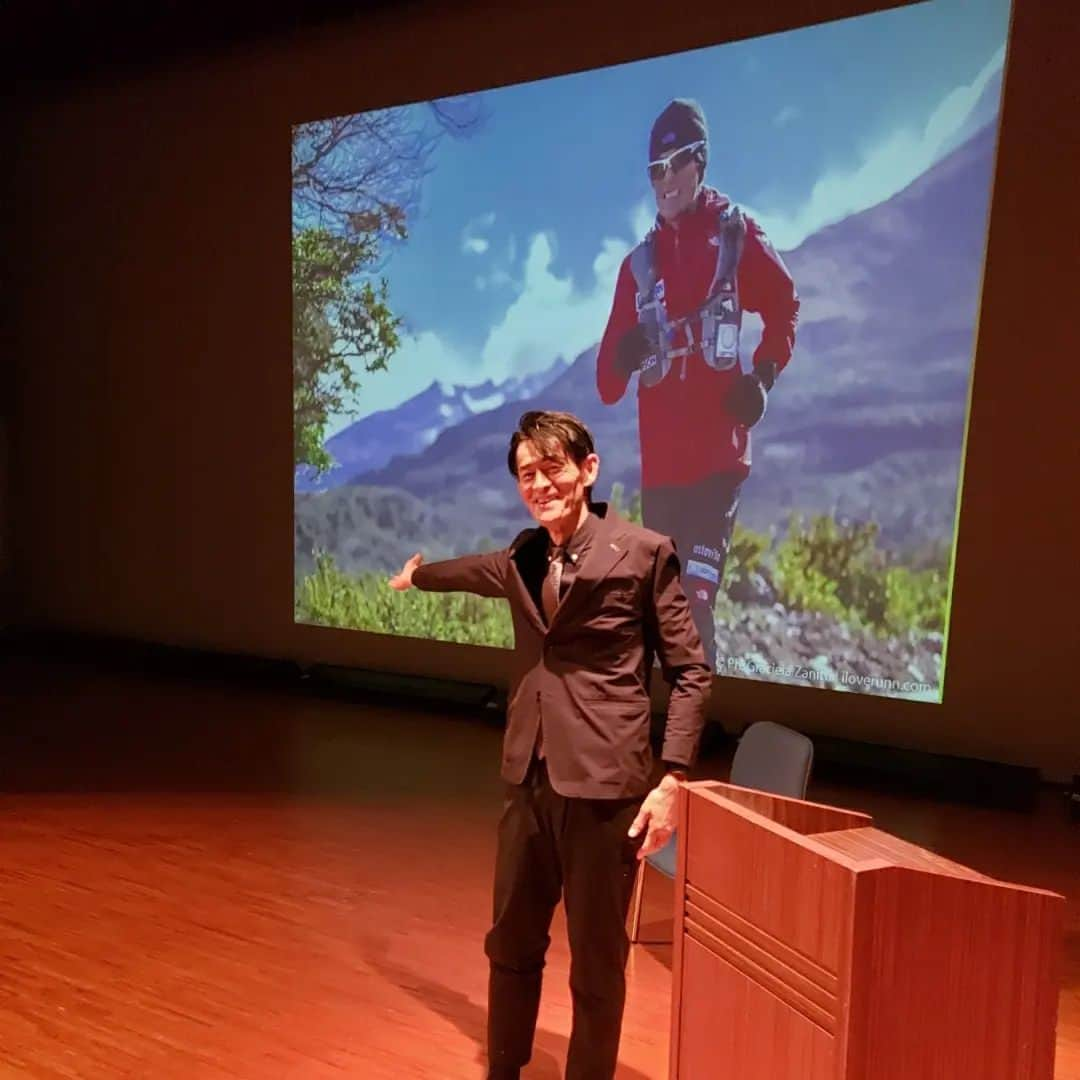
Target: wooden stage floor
x,y
203,880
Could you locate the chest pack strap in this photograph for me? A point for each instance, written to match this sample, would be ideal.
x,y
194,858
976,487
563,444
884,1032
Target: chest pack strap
x,y
713,328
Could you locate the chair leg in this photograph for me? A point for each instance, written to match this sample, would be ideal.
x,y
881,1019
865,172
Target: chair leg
x,y
643,872
635,907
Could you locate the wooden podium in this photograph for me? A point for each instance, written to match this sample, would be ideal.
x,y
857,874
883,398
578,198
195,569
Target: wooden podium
x,y
811,946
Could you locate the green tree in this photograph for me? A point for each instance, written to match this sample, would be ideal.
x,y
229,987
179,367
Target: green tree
x,y
341,325
371,165
628,511
355,181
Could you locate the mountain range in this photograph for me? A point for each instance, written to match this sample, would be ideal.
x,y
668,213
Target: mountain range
x,y
867,422
375,440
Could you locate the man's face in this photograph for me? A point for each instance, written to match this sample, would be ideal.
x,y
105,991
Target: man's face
x,y
552,485
676,181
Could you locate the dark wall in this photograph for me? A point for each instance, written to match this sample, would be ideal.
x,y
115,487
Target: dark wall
x,y
150,483
6,560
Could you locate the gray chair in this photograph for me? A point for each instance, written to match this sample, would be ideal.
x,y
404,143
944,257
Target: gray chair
x,y
769,757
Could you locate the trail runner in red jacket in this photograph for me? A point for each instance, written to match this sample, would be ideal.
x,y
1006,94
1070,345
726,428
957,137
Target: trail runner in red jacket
x,y
675,322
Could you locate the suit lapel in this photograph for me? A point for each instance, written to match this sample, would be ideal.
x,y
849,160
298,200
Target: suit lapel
x,y
520,594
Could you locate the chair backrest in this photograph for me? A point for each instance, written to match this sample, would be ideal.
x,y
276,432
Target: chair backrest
x,y
770,757
773,758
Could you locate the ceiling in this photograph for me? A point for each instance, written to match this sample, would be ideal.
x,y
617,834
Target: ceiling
x,y
47,43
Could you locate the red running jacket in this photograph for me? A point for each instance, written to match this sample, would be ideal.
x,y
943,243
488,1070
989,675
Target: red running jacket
x,y
686,431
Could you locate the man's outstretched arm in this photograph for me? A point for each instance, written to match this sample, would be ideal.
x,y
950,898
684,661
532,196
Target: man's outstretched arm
x,y
484,575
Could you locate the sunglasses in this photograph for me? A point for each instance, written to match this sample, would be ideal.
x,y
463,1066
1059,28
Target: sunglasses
x,y
676,161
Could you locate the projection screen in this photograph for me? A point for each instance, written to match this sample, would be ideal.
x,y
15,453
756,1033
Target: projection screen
x,y
459,262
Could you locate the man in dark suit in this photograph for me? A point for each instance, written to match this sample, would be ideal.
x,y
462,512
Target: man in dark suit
x,y
594,600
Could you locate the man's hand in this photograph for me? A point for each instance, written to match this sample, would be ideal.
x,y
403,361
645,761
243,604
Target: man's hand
x,y
403,579
748,397
633,349
657,817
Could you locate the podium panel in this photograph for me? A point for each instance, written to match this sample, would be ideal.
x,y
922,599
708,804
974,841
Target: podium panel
x,y
811,946
776,1041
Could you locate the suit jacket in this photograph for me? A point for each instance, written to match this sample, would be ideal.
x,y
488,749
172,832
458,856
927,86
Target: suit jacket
x,y
585,677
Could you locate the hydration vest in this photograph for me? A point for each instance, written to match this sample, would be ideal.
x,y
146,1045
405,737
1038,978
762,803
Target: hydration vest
x,y
720,316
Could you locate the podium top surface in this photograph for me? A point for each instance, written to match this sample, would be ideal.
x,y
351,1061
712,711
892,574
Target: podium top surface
x,y
795,815
864,845
844,836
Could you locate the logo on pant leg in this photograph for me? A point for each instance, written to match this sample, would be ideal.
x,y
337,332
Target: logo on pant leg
x,y
706,552
702,570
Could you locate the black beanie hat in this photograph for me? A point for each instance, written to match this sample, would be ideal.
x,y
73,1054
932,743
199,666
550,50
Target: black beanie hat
x,y
682,122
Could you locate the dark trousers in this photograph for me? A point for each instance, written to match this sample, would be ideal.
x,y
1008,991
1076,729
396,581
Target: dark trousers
x,y
550,845
700,518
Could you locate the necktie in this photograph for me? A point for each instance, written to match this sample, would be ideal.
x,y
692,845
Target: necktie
x,y
549,599
549,594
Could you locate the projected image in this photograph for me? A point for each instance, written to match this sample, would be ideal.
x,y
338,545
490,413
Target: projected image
x,y
753,270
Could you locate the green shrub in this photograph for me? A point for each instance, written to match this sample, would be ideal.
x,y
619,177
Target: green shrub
x,y
916,599
820,565
838,569
802,586
330,597
744,553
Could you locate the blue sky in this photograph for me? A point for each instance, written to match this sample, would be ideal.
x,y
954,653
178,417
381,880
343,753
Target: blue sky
x,y
512,256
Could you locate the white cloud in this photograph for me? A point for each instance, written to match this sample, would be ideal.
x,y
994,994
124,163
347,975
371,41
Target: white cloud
x,y
483,404
420,359
886,167
551,316
642,218
786,115
500,274
472,240
494,279
957,105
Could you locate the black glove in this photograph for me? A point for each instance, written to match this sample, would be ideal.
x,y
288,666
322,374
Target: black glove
x,y
632,350
748,397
